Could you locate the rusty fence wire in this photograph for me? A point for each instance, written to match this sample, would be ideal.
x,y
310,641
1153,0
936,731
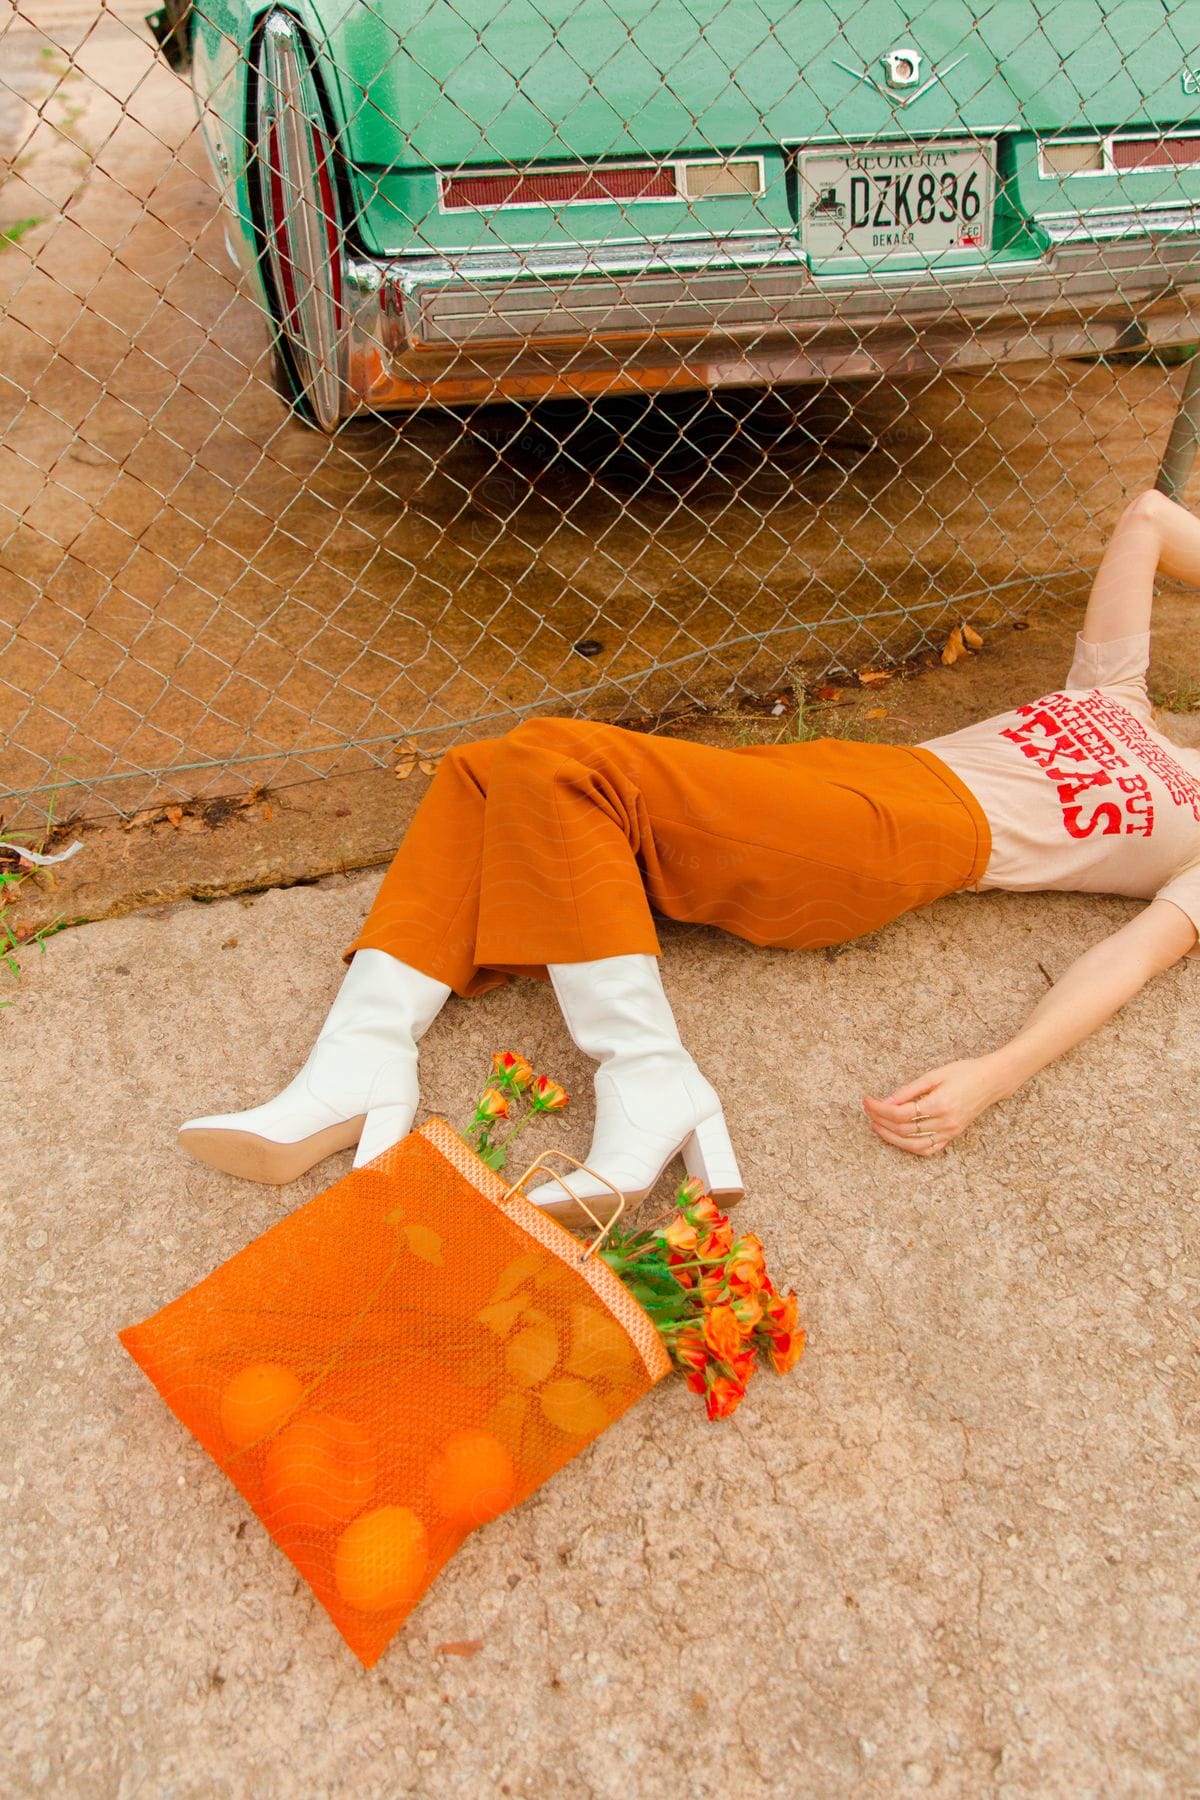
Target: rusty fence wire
x,y
389,370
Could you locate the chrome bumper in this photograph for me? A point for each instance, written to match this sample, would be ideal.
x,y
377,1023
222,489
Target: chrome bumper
x,y
748,311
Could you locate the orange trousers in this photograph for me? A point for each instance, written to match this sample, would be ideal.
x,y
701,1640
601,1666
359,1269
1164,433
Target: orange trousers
x,y
557,842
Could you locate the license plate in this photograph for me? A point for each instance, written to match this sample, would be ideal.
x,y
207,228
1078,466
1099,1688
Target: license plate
x,y
875,201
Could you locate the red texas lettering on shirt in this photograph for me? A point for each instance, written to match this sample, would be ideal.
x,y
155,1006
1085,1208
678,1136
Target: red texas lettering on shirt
x,y
1062,737
1128,730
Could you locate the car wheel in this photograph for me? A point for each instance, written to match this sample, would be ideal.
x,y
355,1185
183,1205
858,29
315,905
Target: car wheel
x,y
294,192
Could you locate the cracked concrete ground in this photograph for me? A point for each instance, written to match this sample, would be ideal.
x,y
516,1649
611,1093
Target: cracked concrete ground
x,y
954,1553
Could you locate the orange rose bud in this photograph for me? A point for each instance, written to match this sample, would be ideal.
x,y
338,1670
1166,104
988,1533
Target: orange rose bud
x,y
782,1311
712,1290
492,1104
696,1381
743,1277
747,1310
681,1236
689,1192
705,1212
722,1333
690,1350
546,1095
747,1259
511,1071
719,1242
724,1396
749,1249
787,1347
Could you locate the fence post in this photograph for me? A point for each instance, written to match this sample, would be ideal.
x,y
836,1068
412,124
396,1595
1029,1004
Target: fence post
x,y
1180,453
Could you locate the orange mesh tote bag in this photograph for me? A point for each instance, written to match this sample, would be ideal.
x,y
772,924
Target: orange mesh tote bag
x,y
405,1357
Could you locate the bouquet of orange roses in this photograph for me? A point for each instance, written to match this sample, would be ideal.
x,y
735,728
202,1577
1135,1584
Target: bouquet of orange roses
x,y
511,1083
713,1304
716,1308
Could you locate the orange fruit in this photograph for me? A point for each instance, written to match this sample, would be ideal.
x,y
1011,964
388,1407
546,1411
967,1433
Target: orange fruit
x,y
599,1347
380,1560
472,1478
258,1401
318,1472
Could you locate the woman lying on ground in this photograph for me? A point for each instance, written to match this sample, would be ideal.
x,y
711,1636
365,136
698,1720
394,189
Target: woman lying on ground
x,y
544,851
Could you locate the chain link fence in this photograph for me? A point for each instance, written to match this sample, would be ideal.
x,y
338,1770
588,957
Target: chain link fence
x,y
389,370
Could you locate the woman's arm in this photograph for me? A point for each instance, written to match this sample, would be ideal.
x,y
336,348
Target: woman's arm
x,y
1153,535
1096,984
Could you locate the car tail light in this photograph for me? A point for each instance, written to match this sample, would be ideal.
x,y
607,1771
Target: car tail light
x,y
706,180
1074,156
280,248
1157,152
1118,153
560,187
300,219
592,183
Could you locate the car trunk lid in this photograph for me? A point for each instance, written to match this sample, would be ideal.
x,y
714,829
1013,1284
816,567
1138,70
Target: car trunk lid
x,y
508,81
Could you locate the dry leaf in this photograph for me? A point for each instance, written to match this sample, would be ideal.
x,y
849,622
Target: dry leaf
x,y
424,1242
954,647
971,638
411,756
268,811
173,814
831,695
230,944
463,1647
189,822
875,712
871,677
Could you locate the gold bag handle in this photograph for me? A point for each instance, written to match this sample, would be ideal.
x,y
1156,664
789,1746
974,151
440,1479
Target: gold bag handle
x,y
541,1163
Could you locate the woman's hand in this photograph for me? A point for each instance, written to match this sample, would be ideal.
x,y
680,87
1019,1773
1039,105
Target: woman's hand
x,y
929,1113
932,1111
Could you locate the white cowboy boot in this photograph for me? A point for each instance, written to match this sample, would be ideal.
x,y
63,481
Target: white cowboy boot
x,y
651,1099
359,1084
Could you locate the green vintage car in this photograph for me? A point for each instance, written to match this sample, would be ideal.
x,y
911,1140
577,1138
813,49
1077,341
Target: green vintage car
x,y
519,198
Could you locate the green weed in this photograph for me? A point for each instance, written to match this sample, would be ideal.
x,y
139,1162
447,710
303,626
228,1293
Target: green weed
x,y
1178,695
811,721
12,940
12,234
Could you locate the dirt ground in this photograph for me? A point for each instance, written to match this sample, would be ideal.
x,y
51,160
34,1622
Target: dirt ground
x,y
188,578
337,824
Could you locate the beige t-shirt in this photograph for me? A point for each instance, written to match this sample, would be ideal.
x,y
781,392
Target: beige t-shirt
x,y
1079,789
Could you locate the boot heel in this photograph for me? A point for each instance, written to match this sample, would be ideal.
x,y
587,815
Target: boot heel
x,y
708,1155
